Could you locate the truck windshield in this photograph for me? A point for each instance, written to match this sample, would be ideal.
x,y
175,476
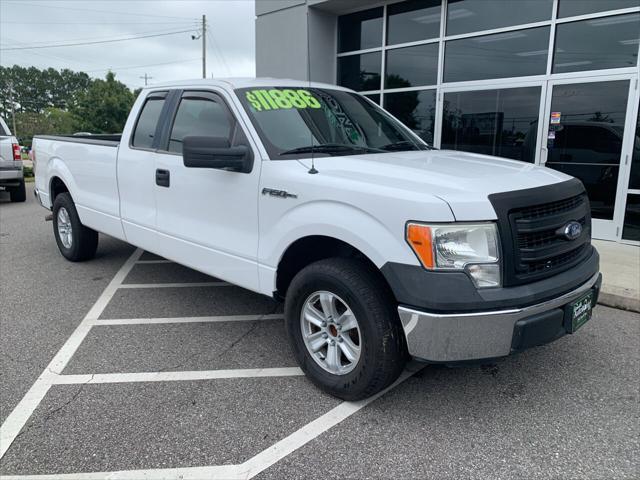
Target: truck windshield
x,y
299,122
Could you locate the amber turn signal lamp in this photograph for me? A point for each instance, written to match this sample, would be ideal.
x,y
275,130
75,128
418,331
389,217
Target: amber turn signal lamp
x,y
419,238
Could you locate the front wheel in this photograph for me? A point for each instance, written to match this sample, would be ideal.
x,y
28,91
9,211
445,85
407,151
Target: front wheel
x,y
344,328
75,241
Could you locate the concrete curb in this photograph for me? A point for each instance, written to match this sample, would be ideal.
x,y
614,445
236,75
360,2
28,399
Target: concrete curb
x,y
621,300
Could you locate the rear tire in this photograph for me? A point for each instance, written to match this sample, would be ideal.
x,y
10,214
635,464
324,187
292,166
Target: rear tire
x,y
350,289
75,241
19,193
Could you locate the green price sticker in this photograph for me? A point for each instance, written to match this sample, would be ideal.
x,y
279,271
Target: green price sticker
x,y
276,99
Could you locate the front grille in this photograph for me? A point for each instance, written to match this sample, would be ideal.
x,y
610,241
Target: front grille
x,y
533,245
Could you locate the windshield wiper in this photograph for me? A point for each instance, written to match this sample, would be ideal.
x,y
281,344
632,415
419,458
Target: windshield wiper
x,y
402,145
331,148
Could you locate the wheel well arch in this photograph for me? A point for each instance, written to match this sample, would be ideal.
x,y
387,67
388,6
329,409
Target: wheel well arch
x,y
310,249
57,186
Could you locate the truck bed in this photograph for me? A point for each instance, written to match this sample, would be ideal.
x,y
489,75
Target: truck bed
x,y
107,139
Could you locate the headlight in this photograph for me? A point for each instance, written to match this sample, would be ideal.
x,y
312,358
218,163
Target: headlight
x,y
472,248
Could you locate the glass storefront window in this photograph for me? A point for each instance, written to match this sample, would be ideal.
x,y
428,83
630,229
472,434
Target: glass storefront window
x,y
360,72
464,16
360,30
587,140
509,54
599,43
569,8
502,122
416,110
634,179
413,20
412,66
631,228
374,97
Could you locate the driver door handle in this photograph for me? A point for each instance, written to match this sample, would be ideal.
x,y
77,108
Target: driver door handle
x,y
163,177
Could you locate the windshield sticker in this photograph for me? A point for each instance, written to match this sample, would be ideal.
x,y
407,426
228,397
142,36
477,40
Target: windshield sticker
x,y
276,99
338,118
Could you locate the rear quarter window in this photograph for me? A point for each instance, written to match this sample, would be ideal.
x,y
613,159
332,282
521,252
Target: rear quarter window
x,y
145,129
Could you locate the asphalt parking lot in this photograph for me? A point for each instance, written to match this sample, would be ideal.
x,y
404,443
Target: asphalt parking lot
x,y
136,366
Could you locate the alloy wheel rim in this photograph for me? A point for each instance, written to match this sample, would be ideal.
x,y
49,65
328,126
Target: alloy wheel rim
x,y
331,332
65,231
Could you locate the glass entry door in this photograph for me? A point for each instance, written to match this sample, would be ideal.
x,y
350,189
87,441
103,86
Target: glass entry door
x,y
584,136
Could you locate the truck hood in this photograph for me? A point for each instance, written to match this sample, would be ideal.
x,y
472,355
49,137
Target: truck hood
x,y
463,180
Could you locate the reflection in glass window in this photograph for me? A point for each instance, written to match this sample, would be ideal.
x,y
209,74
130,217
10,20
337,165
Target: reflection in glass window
x,y
374,97
415,109
360,30
503,122
634,179
360,72
199,117
608,42
509,54
587,142
569,8
465,16
631,229
412,66
413,20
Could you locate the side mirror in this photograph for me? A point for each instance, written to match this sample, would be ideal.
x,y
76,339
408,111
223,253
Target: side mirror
x,y
215,152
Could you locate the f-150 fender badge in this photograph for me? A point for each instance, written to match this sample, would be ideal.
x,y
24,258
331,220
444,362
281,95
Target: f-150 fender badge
x,y
278,193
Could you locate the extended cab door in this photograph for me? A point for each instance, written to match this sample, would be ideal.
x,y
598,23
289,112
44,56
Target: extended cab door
x,y
208,218
136,170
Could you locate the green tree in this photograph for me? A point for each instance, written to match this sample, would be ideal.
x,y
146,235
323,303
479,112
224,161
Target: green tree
x,y
104,107
53,121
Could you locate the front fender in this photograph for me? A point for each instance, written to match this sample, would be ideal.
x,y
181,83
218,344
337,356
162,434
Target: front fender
x,y
333,219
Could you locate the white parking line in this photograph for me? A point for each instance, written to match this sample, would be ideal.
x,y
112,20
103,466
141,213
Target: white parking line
x,y
25,408
176,376
243,471
250,468
174,285
168,320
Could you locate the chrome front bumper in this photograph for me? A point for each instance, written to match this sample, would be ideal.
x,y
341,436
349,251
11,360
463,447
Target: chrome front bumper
x,y
455,337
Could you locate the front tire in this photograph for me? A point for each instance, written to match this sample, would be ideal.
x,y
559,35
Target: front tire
x,y
344,328
75,241
19,193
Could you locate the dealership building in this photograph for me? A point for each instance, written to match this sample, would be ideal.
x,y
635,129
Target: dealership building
x,y
550,82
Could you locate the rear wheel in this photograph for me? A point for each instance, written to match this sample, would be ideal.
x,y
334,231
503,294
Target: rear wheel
x,y
75,241
19,193
344,328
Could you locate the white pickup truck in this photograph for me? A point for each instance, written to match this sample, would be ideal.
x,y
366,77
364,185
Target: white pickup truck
x,y
11,169
381,247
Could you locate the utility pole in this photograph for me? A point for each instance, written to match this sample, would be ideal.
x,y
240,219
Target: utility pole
x,y
146,79
13,110
204,46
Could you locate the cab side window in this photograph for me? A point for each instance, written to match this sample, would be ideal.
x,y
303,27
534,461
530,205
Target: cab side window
x,y
145,130
199,116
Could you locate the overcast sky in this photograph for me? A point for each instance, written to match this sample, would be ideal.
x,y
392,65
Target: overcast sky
x,y
230,49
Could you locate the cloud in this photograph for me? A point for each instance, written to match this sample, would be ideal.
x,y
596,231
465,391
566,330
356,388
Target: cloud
x,y
230,46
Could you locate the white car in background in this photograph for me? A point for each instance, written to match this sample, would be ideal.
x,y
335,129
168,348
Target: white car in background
x,y
11,170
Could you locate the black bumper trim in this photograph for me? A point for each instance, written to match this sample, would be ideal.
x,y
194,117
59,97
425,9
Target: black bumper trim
x,y
454,292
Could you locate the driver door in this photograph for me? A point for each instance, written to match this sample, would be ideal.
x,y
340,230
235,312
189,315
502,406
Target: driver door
x,y
207,218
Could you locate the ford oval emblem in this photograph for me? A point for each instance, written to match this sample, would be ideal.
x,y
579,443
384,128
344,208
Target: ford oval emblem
x,y
572,230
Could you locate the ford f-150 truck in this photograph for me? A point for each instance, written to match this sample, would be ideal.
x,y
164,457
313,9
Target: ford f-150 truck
x,y
11,169
381,247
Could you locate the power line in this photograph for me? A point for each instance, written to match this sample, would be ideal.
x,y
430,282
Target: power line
x,y
97,42
90,39
128,14
129,67
16,22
